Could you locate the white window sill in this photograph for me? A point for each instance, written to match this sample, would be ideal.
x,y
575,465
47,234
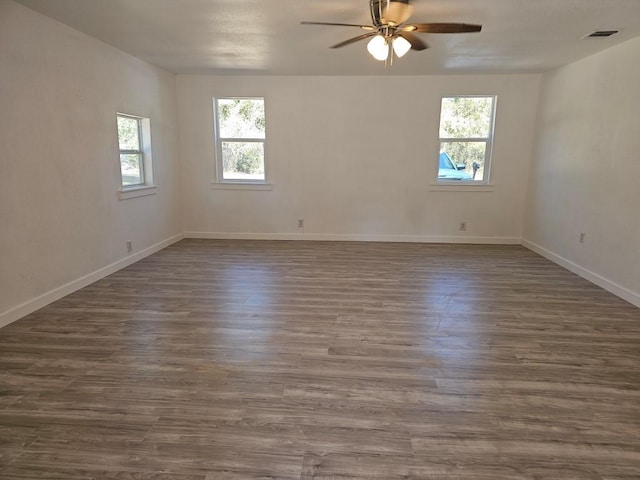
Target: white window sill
x,y
135,192
240,186
461,187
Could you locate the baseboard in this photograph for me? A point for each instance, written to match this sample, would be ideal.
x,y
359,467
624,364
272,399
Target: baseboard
x,y
609,285
45,299
330,237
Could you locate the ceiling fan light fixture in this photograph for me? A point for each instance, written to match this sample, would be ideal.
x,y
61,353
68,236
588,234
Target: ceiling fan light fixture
x,y
401,46
389,34
378,48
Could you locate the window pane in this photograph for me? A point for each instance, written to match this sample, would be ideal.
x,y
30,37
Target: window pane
x,y
465,117
243,161
462,160
128,133
241,118
131,169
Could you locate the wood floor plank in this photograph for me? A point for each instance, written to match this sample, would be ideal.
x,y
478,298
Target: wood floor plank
x,y
235,360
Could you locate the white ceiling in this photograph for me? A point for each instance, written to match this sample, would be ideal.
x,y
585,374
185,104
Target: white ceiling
x,y
265,36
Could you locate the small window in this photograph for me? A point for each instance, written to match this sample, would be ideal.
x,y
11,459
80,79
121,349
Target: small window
x,y
135,151
466,135
240,137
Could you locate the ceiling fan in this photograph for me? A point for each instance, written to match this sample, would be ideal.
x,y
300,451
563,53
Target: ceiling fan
x,y
390,32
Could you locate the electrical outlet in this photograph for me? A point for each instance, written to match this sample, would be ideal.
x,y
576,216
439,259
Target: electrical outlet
x,y
582,237
129,246
463,226
300,223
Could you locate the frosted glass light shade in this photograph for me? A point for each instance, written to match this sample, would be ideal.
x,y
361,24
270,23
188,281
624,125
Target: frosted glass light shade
x,y
378,47
401,46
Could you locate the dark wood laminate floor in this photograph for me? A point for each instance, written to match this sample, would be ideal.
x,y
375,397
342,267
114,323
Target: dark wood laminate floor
x,y
300,360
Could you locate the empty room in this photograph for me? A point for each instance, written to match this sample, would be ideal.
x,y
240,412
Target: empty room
x,y
320,239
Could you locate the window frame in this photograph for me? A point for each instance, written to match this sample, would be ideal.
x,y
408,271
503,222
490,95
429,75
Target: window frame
x,y
220,140
488,153
144,154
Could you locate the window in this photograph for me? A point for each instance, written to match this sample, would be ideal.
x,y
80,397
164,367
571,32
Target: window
x,y
240,137
135,151
466,135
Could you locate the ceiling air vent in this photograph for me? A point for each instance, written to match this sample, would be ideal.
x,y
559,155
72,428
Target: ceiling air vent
x,y
601,33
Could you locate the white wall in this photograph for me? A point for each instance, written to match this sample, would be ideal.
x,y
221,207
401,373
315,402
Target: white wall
x,y
354,157
585,174
60,217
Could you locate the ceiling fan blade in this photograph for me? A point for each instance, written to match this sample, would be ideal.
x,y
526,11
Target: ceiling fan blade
x,y
354,39
442,28
416,43
363,27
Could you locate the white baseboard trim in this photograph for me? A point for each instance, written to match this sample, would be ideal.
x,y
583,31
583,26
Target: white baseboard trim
x,y
609,285
340,237
45,299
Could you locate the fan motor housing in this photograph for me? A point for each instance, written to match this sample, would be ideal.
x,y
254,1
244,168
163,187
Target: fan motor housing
x,y
390,12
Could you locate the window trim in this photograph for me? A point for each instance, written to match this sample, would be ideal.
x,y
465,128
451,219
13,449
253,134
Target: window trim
x,y
488,153
146,164
219,167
